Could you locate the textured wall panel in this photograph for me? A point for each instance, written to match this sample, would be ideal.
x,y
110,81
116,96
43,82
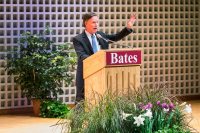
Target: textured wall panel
x,y
168,31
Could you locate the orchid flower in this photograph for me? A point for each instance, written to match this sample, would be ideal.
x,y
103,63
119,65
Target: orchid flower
x,y
166,110
148,114
124,115
188,108
139,120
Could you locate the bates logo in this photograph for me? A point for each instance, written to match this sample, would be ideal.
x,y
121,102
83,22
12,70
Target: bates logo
x,y
123,57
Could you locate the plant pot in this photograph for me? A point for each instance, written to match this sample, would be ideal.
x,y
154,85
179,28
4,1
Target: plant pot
x,y
36,106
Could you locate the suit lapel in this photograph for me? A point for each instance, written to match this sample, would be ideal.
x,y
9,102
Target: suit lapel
x,y
102,43
87,44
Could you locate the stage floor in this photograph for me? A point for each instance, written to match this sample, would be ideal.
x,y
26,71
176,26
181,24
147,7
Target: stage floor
x,y
30,124
196,114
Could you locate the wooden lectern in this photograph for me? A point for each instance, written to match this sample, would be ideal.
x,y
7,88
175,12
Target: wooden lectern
x,y
115,70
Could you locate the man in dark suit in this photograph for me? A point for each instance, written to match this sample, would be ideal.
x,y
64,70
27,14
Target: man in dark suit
x,y
90,41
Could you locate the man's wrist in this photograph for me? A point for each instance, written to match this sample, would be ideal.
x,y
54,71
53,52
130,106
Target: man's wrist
x,y
129,29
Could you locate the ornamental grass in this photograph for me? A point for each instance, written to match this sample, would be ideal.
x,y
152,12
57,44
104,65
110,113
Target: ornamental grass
x,y
145,110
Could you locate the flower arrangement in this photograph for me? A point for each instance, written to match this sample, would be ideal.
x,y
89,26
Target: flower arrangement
x,y
146,110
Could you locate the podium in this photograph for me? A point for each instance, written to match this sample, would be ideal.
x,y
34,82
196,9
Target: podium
x,y
115,70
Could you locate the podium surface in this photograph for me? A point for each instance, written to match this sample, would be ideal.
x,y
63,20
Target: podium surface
x,y
116,71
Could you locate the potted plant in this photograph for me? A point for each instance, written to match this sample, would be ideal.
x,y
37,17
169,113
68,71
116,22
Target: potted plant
x,y
40,67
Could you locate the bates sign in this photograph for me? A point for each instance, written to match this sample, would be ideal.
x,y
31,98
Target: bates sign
x,y
129,57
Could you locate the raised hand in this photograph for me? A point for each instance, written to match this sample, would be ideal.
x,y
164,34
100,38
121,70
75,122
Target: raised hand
x,y
131,21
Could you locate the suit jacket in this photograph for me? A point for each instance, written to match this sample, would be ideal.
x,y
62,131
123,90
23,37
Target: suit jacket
x,y
84,49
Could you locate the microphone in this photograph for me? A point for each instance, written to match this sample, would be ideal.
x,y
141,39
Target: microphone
x,y
107,40
99,36
110,41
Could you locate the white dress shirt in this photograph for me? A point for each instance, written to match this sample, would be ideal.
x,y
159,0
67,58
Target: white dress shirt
x,y
90,39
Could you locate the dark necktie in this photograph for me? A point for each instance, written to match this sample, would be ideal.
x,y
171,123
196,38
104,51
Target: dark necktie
x,y
94,44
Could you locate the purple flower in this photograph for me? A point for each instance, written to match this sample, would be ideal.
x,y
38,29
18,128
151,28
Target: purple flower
x,y
171,105
147,107
141,105
144,107
164,105
158,103
150,105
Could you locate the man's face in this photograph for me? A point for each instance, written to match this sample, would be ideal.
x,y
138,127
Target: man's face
x,y
92,24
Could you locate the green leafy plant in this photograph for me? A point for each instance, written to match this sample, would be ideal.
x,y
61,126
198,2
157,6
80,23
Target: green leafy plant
x,y
40,66
53,109
174,129
146,110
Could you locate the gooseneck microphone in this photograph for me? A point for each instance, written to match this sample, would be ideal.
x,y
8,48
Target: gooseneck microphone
x,y
110,41
107,40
